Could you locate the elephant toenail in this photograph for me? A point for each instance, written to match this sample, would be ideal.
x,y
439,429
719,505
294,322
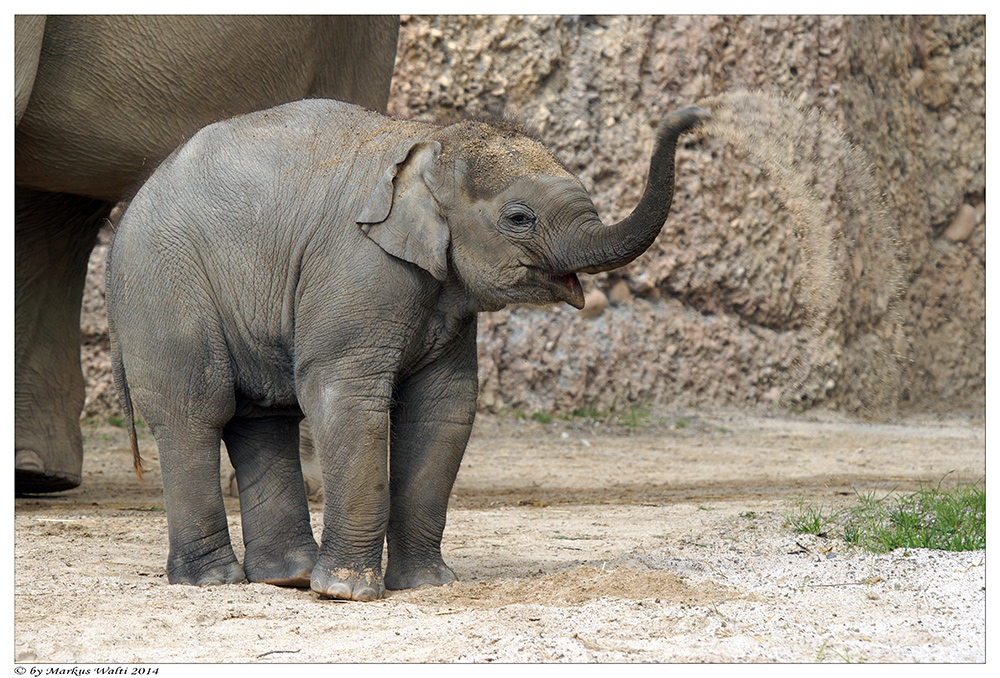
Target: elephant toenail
x,y
28,460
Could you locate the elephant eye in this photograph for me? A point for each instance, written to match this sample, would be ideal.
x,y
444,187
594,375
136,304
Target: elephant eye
x,y
517,220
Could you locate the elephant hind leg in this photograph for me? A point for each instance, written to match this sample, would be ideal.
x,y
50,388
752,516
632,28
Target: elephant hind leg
x,y
201,552
54,234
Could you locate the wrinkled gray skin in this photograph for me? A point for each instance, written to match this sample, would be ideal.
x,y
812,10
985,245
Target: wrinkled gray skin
x,y
98,101
322,260
311,471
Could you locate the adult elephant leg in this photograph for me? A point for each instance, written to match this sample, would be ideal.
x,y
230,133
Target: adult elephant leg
x,y
431,423
280,548
54,234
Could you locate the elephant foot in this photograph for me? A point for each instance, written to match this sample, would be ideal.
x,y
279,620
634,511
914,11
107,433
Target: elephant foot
x,y
300,580
225,570
399,576
348,584
293,569
32,477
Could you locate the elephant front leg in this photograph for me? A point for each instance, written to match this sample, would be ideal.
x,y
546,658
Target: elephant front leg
x,y
350,422
431,423
53,238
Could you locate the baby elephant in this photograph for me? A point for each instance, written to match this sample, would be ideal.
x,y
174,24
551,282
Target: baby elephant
x,y
317,259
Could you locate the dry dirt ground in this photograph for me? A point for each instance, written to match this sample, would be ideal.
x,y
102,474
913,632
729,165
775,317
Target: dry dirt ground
x,y
573,541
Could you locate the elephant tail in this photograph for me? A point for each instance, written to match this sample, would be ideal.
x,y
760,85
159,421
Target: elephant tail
x,y
124,397
117,362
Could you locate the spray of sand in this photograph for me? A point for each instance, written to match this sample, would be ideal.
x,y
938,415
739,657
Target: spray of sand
x,y
850,238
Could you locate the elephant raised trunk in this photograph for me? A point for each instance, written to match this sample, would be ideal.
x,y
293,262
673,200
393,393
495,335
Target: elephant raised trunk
x,y
608,247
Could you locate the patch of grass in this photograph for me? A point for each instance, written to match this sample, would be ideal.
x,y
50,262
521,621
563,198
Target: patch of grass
x,y
931,518
811,520
548,417
638,415
588,413
635,416
116,421
824,654
513,412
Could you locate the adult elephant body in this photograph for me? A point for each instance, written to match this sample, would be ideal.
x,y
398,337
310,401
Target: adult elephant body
x,y
98,102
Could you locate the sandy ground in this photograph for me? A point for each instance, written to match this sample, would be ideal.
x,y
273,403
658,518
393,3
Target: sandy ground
x,y
573,542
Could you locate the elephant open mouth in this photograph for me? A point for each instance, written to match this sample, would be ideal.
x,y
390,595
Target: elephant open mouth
x,y
569,288
555,287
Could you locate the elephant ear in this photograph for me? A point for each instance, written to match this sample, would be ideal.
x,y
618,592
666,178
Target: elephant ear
x,y
401,214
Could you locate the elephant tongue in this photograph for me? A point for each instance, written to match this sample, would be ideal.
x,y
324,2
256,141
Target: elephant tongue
x,y
572,284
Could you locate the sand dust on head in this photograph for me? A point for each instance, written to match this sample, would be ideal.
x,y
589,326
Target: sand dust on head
x,y
497,154
849,236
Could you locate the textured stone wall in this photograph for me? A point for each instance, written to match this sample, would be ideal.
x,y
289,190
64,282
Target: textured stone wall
x,y
715,313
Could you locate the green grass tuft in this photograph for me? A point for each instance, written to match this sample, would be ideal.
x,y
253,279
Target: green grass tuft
x,y
588,413
811,520
931,518
635,416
